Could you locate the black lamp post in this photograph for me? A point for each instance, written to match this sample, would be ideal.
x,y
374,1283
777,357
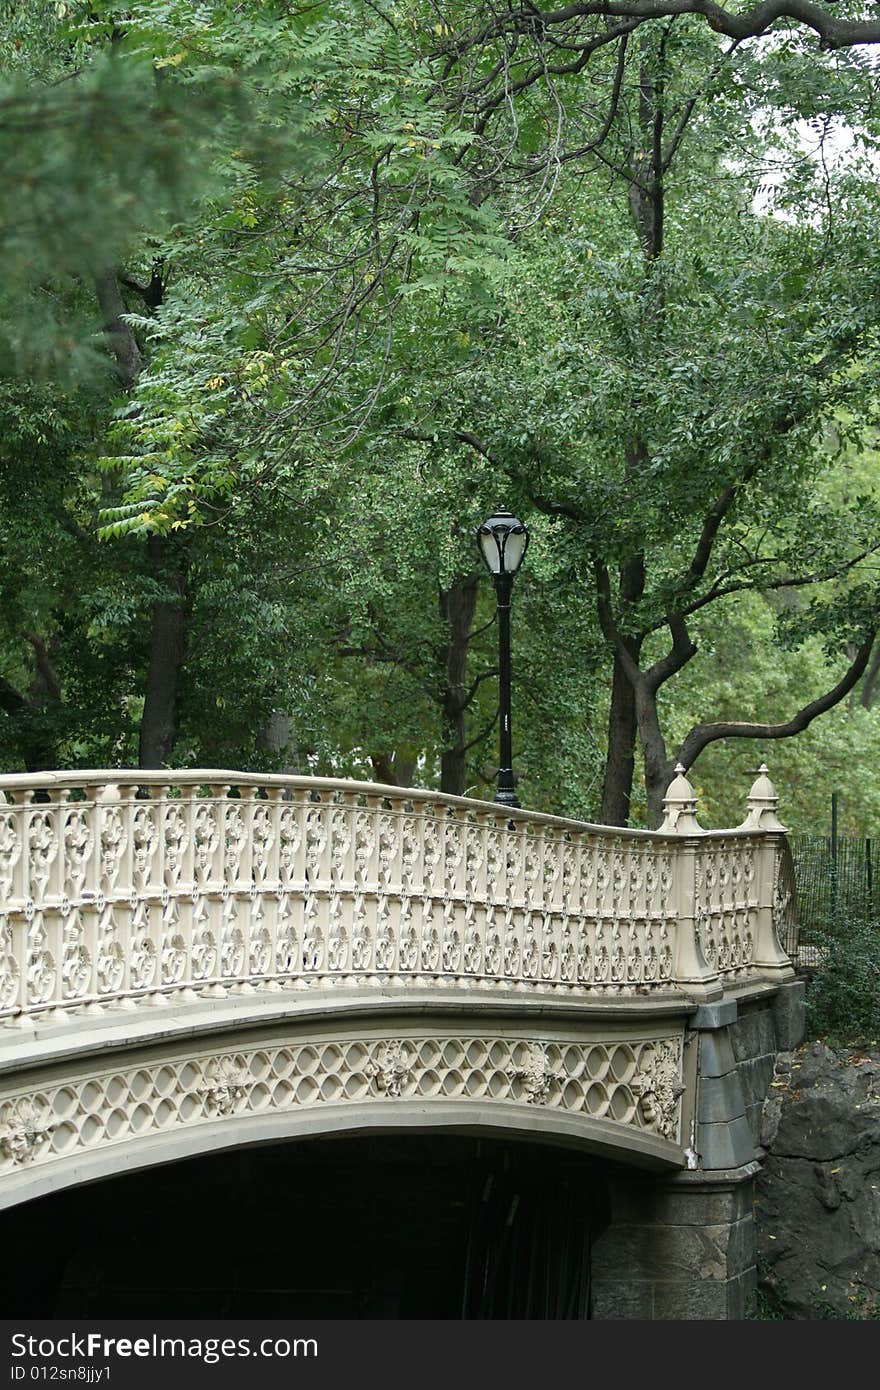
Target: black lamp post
x,y
503,542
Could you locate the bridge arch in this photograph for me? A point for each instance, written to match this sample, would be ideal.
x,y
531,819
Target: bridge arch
x,y
592,1087
398,1225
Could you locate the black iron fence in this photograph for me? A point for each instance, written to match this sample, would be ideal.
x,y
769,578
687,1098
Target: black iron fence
x,y
835,876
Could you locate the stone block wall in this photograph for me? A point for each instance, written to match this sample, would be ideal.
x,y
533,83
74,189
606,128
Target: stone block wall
x,y
763,1028
755,1048
739,1041
677,1248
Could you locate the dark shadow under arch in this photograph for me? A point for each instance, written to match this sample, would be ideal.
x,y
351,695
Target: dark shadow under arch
x,y
379,1226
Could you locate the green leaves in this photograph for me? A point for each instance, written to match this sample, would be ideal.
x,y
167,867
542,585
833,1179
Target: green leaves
x,y
404,280
90,154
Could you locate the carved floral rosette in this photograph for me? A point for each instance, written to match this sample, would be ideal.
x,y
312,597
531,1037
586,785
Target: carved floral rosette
x,y
537,1074
25,1129
227,1082
391,1068
658,1085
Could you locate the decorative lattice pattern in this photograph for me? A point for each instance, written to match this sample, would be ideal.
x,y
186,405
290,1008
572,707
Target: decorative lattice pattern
x,y
727,906
110,892
636,1086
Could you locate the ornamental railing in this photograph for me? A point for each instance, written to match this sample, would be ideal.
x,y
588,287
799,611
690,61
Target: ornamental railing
x,y
124,889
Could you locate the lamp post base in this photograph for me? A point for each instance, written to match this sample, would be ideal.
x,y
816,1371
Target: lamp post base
x,y
507,797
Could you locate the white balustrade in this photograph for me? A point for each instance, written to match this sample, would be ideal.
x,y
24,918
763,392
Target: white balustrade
x,y
130,888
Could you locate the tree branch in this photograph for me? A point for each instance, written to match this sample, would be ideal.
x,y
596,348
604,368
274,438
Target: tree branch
x,y
386,654
785,581
833,32
484,733
688,109
610,631
709,534
475,685
682,651
151,291
701,735
479,445
45,668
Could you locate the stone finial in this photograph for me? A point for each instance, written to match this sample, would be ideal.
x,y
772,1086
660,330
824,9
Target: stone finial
x,y
680,806
761,804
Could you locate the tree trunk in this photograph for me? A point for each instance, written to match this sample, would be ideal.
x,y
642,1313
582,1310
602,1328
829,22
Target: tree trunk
x,y
646,201
120,335
622,720
869,689
164,558
645,191
620,759
457,606
453,769
394,769
658,766
167,649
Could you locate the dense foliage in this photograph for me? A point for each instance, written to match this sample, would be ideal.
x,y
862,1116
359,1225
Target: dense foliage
x,y
295,295
843,999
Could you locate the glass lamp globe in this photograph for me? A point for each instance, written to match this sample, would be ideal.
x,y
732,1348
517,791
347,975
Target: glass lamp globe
x,y
503,542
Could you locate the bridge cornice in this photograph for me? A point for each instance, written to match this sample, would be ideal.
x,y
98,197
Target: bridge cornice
x,y
24,786
623,1090
115,1031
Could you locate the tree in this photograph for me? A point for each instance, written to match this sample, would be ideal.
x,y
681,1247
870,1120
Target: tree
x,y
69,637
92,148
712,362
457,256
661,94
285,282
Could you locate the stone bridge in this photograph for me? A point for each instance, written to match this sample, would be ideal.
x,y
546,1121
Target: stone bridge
x,y
199,960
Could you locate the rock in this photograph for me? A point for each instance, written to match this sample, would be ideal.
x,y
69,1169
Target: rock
x,y
817,1205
